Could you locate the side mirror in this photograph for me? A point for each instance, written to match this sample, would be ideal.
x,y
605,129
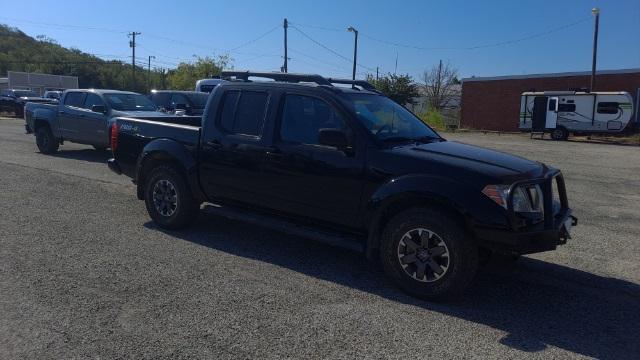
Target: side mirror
x,y
333,137
99,109
181,107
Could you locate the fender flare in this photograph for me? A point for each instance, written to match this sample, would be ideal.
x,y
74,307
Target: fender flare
x,y
442,191
49,117
168,151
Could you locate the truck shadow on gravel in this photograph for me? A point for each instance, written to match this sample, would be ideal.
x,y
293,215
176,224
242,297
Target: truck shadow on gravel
x,y
90,155
538,304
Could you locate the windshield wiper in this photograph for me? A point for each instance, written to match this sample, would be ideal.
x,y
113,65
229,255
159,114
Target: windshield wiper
x,y
427,139
418,140
398,139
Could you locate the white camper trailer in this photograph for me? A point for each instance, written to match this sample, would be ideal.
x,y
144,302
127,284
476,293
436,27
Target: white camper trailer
x,y
563,112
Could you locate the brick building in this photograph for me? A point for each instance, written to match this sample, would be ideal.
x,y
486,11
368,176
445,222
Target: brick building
x,y
493,103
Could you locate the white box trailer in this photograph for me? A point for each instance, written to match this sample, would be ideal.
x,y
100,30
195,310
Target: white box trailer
x,y
563,112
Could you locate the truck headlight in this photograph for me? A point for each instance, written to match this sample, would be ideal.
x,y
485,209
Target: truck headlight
x,y
526,198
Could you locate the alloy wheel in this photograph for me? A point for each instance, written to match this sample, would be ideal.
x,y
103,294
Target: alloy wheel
x,y
423,255
165,198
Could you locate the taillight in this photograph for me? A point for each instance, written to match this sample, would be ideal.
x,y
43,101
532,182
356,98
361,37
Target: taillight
x,y
114,137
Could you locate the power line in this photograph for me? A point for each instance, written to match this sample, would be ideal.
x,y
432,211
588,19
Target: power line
x,y
74,27
475,47
334,66
150,35
533,36
328,49
256,39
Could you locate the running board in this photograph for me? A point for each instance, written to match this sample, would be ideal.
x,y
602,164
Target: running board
x,y
284,226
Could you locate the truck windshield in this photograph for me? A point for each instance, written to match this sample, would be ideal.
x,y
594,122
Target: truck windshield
x,y
388,121
130,102
25,93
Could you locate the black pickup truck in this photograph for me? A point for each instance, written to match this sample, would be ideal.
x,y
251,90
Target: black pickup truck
x,y
346,165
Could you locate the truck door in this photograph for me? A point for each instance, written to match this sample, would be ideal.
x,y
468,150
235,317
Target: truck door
x,y
306,178
552,113
232,148
69,113
93,125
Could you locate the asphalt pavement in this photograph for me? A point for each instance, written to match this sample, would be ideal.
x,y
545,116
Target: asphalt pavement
x,y
85,274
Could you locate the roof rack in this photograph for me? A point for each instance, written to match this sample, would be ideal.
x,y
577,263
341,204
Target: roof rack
x,y
295,78
362,83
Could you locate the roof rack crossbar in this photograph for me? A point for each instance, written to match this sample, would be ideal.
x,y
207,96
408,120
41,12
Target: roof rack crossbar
x,y
276,76
362,83
295,78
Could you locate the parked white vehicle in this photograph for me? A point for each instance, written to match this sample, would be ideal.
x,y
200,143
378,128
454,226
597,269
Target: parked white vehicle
x,y
563,112
207,85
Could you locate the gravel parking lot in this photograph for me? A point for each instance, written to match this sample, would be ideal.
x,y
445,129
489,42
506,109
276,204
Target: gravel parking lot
x,y
84,273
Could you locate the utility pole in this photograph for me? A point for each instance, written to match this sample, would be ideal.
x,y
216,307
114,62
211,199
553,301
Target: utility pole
x,y
132,45
395,70
163,83
377,70
285,68
355,51
596,13
149,73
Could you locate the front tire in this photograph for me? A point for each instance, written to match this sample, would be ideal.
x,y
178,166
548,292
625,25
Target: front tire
x,y
428,254
169,200
46,142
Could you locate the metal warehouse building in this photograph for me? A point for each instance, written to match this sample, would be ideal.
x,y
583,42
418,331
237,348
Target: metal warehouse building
x,y
37,82
493,103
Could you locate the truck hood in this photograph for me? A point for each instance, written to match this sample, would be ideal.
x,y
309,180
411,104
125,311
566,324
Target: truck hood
x,y
475,160
33,99
139,113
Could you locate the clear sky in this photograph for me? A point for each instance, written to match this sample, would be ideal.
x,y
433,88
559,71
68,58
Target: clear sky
x,y
481,38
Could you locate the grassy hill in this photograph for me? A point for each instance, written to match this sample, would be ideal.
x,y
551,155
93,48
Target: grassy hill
x,y
20,52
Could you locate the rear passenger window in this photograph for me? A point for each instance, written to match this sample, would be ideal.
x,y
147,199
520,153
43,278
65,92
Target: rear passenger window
x,y
248,117
608,107
228,109
75,99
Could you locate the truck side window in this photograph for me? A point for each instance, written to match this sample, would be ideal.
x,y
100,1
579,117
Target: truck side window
x,y
74,99
178,99
608,108
248,117
304,116
92,99
228,109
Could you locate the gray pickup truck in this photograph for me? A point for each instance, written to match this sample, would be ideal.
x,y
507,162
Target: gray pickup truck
x,y
84,116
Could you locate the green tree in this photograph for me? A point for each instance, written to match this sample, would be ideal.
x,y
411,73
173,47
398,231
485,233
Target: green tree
x,y
399,88
184,77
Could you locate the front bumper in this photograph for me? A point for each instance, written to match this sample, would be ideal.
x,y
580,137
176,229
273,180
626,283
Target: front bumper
x,y
529,241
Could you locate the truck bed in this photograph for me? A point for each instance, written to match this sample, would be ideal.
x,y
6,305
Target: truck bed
x,y
135,133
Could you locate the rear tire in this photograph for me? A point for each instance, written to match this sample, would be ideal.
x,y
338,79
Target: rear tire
x,y
46,142
560,133
169,200
435,266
